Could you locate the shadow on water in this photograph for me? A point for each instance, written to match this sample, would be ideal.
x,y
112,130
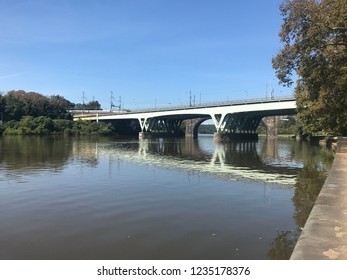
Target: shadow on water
x,y
282,164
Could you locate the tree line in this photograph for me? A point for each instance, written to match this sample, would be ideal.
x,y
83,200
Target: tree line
x,y
314,38
33,113
16,104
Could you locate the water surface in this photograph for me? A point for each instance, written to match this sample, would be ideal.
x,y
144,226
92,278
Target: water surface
x,y
109,198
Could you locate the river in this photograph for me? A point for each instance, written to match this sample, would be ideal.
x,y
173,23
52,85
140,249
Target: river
x,y
125,198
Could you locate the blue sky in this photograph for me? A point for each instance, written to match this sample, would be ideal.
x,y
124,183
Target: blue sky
x,y
149,52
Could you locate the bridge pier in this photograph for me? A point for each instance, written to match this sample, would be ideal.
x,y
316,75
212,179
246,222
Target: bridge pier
x,y
192,127
271,126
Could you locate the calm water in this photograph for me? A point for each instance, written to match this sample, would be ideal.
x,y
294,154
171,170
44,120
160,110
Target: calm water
x,y
108,198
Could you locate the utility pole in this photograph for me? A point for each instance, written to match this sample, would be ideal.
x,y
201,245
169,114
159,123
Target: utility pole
x,y
120,103
111,102
190,98
83,101
83,98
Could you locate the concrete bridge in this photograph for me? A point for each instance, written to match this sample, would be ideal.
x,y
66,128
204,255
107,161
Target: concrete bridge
x,y
232,119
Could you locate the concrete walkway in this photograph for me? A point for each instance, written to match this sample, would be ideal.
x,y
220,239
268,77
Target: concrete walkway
x,y
324,236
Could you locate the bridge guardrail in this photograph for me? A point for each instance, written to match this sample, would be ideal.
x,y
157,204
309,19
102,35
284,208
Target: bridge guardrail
x,y
212,104
184,107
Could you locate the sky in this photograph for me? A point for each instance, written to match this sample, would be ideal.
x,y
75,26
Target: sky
x,y
146,52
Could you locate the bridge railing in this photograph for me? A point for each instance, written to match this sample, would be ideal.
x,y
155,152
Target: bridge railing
x,y
211,104
183,107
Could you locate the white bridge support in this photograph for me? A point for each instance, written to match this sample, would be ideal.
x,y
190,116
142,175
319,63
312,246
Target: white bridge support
x,y
246,122
230,118
160,126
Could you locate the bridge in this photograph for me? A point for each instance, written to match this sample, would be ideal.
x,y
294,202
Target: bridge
x,y
232,119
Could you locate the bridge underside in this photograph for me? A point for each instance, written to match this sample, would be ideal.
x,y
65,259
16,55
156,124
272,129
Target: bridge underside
x,y
244,125
241,125
169,126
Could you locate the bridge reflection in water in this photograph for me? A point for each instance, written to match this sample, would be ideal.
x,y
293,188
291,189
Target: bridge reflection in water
x,y
231,161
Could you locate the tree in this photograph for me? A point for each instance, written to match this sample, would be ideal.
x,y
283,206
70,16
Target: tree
x,y
314,37
2,108
92,105
17,104
14,106
59,106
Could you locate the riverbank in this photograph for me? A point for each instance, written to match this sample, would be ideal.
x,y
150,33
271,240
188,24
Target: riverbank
x,y
324,236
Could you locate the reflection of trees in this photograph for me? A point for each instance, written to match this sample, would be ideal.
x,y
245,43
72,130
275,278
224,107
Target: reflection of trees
x,y
47,153
310,179
317,163
22,152
283,245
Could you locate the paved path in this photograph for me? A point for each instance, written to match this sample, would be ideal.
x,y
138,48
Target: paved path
x,y
324,236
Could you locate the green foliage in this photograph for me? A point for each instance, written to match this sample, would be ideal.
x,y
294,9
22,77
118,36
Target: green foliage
x,y
89,127
13,107
29,125
17,104
92,105
314,37
207,129
58,107
2,107
62,125
31,113
287,126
